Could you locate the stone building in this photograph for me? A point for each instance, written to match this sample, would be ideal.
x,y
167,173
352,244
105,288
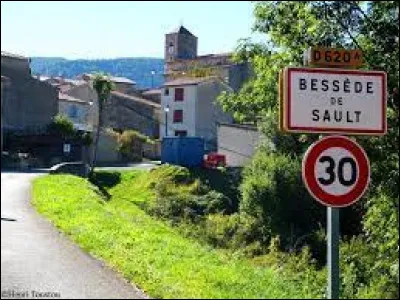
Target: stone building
x,y
181,60
27,103
153,95
88,96
192,86
77,110
180,44
122,84
192,110
124,111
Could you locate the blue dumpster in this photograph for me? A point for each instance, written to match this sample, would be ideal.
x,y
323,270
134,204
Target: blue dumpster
x,y
182,151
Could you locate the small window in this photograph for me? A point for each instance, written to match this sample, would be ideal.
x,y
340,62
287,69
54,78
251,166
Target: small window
x,y
180,133
179,94
178,116
73,111
166,92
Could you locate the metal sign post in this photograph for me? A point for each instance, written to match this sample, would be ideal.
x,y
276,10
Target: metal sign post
x,y
336,172
333,252
335,169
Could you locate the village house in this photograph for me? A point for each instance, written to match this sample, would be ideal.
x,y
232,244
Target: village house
x,y
27,103
124,111
77,110
192,86
190,108
122,84
181,60
153,95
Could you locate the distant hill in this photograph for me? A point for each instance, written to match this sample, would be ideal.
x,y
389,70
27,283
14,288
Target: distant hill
x,y
136,69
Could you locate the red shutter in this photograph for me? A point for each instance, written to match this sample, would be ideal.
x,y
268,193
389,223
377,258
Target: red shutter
x,y
178,116
178,94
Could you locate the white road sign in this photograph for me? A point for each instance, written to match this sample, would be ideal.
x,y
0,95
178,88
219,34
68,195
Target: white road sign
x,y
67,148
334,101
336,171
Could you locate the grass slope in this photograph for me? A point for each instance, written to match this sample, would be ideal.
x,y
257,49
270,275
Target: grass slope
x,y
146,251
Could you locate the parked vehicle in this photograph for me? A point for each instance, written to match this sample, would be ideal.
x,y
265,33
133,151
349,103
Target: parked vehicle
x,y
214,160
75,168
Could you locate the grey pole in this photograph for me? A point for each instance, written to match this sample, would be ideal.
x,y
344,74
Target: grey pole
x,y
166,124
333,252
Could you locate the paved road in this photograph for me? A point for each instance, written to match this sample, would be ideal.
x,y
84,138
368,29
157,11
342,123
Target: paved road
x,y
139,166
36,257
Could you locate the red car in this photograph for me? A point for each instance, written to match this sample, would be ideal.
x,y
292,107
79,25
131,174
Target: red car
x,y
214,160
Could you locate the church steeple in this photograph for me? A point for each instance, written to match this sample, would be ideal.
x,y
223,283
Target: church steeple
x,y
180,44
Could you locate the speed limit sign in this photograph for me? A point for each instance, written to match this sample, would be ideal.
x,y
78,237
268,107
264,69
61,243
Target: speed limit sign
x,y
336,171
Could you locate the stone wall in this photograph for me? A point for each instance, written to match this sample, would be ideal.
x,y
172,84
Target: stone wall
x,y
123,112
238,143
87,93
184,46
28,102
15,67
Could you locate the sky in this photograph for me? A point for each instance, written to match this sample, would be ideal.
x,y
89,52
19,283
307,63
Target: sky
x,y
110,29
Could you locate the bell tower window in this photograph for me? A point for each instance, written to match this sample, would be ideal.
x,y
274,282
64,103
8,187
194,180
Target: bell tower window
x,y
171,48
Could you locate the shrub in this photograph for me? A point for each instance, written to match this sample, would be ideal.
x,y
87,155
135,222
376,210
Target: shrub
x,y
179,206
381,226
242,234
273,192
169,173
220,229
130,144
62,126
86,139
362,275
355,266
300,268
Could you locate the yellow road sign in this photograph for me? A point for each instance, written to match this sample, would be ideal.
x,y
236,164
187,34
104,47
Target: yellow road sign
x,y
320,56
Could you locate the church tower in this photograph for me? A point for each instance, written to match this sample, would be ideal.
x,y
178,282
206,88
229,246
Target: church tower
x,y
180,44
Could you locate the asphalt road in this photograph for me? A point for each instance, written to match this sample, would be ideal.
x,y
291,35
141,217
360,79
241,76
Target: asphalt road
x,y
123,167
36,258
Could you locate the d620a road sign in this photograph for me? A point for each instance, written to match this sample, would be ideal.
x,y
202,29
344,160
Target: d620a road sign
x,y
334,101
336,171
320,56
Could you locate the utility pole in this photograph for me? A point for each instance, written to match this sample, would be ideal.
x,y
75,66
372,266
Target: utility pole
x,y
152,78
166,110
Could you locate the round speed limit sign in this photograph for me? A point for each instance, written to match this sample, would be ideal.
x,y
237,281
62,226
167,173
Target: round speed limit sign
x,y
336,171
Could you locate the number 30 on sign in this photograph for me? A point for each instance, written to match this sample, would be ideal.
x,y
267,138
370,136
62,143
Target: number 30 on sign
x,y
336,171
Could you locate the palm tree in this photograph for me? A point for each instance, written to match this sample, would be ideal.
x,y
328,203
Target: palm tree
x,y
103,86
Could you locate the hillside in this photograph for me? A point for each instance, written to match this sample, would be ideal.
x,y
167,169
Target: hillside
x,y
137,69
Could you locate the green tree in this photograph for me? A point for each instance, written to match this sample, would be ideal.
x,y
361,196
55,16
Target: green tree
x,y
290,28
62,126
103,86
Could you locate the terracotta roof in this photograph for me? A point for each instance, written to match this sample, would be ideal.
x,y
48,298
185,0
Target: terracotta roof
x,y
112,78
135,98
74,81
122,80
152,92
64,87
65,97
201,57
228,54
188,81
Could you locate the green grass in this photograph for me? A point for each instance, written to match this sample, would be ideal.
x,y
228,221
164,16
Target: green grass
x,y
146,251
